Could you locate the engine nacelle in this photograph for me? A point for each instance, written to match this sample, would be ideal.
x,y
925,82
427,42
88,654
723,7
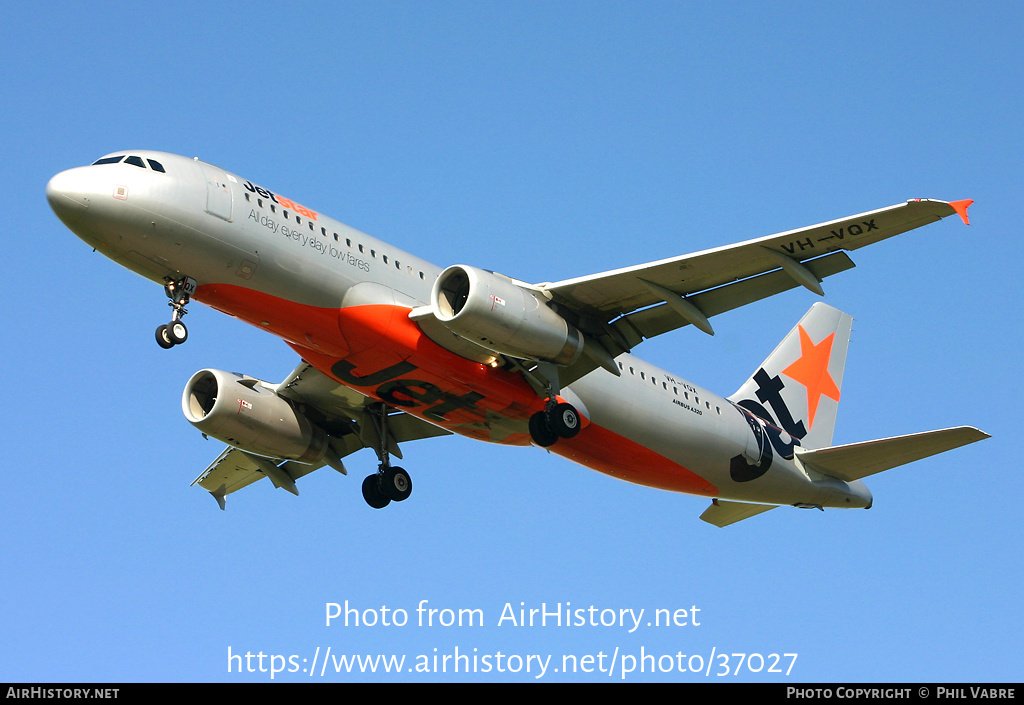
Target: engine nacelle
x,y
495,312
248,414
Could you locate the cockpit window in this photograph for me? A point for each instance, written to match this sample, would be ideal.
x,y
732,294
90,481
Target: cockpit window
x,y
134,161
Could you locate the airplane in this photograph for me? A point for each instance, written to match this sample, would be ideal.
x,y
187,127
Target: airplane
x,y
393,348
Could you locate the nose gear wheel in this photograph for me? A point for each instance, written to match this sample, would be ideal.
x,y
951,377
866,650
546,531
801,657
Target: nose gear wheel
x,y
179,292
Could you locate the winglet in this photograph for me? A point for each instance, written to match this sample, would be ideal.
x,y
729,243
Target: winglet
x,y
961,209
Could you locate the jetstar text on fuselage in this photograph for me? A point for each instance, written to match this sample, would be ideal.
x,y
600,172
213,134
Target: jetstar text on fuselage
x,y
281,200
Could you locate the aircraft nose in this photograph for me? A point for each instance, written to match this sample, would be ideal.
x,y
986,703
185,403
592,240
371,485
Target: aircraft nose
x,y
68,194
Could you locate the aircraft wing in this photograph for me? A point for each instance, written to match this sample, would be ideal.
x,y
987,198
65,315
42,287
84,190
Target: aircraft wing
x,y
344,414
622,307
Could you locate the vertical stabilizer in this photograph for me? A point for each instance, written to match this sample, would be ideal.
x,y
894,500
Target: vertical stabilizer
x,y
798,387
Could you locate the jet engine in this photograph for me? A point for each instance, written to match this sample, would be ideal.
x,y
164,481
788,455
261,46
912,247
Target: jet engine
x,y
495,312
248,414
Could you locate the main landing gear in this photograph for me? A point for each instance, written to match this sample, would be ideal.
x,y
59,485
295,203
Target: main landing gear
x,y
390,483
179,292
558,420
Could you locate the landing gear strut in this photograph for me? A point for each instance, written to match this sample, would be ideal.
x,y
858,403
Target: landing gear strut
x,y
179,292
390,483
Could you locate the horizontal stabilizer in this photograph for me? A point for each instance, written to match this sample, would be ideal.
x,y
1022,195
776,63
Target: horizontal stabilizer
x,y
723,513
857,460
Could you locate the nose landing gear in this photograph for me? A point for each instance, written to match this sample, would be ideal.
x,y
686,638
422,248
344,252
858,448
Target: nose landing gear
x,y
179,292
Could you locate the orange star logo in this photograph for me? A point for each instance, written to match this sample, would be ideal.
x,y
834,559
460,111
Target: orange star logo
x,y
811,370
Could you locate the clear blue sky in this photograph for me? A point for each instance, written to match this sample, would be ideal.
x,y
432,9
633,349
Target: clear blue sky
x,y
542,140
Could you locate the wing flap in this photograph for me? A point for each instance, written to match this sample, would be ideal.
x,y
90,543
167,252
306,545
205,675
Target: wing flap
x,y
629,331
657,320
858,460
234,469
230,472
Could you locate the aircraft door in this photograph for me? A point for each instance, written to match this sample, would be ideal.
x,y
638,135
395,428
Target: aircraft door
x,y
218,192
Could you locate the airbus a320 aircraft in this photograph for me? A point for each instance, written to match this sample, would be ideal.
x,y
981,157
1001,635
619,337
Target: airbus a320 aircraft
x,y
394,348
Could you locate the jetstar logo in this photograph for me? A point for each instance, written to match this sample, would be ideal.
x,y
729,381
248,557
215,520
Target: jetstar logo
x,y
408,392
809,370
281,200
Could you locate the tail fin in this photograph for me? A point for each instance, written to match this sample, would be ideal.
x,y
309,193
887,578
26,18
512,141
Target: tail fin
x,y
798,387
